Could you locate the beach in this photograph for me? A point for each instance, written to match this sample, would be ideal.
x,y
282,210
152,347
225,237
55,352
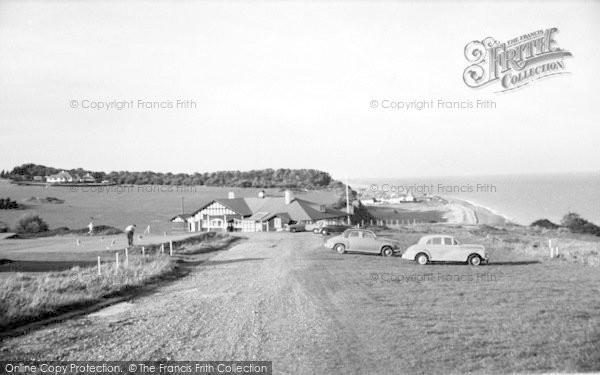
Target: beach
x,y
438,209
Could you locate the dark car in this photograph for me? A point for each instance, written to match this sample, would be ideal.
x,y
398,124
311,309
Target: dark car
x,y
297,227
328,229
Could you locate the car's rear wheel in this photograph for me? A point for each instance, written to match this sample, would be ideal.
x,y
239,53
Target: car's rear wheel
x,y
422,259
387,251
474,260
340,248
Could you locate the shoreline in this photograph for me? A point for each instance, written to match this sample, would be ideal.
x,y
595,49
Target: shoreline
x,y
449,209
472,213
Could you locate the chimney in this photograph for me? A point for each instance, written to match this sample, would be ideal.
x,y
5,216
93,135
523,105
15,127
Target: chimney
x,y
261,194
231,195
288,197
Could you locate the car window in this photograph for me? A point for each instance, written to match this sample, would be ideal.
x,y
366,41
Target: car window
x,y
447,241
454,241
353,234
436,241
429,242
368,235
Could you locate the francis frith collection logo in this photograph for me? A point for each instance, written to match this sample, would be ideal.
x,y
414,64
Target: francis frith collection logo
x,y
515,63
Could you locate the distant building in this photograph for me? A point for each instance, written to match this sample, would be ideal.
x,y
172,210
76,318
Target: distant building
x,y
258,214
88,178
59,178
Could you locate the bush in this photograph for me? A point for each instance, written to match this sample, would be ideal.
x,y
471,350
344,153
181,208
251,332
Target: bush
x,y
31,224
544,223
3,227
577,224
8,204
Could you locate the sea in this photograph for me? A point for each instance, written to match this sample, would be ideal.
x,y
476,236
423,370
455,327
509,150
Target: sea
x,y
521,199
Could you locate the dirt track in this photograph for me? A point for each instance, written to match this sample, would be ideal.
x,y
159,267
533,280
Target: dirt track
x,y
251,302
283,297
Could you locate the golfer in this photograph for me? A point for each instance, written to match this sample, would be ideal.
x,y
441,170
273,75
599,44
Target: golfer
x,y
129,232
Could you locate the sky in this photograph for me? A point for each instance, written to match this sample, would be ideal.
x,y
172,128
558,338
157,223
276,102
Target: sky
x,y
290,85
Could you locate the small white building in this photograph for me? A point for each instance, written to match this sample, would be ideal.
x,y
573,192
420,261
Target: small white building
x,y
59,178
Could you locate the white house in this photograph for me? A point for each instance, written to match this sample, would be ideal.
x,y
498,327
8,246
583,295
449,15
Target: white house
x,y
59,178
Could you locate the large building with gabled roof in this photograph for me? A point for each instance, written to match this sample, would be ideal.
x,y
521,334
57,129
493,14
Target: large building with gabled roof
x,y
257,214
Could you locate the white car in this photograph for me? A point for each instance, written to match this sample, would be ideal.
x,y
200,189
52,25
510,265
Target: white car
x,y
444,248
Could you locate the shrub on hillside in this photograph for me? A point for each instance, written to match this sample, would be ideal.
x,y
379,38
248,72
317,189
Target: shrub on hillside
x,y
8,204
577,224
31,224
544,223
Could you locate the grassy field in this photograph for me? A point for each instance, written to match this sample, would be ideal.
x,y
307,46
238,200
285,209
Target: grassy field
x,y
120,206
524,312
35,295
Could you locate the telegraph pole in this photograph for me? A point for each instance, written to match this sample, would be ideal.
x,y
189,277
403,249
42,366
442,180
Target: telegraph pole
x,y
347,201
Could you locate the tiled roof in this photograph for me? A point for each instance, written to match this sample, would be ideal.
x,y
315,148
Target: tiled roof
x,y
265,208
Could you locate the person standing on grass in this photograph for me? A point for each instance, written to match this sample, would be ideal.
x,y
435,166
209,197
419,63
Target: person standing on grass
x,y
129,232
91,227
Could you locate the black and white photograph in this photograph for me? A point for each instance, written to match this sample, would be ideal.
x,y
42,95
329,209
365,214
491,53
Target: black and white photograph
x,y
258,187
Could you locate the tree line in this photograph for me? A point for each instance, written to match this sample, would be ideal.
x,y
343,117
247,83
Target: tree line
x,y
262,178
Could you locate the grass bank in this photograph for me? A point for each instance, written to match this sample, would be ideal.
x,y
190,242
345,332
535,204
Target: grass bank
x,y
25,298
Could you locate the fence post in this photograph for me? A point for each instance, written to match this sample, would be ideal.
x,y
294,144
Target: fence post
x,y
171,248
78,242
162,248
116,261
99,269
126,257
143,251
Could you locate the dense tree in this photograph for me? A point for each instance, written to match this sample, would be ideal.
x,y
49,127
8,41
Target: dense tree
x,y
576,224
264,178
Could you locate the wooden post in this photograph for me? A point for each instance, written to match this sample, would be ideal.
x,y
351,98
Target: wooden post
x,y
78,242
126,257
171,248
143,251
162,248
99,267
556,252
165,234
549,243
116,261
